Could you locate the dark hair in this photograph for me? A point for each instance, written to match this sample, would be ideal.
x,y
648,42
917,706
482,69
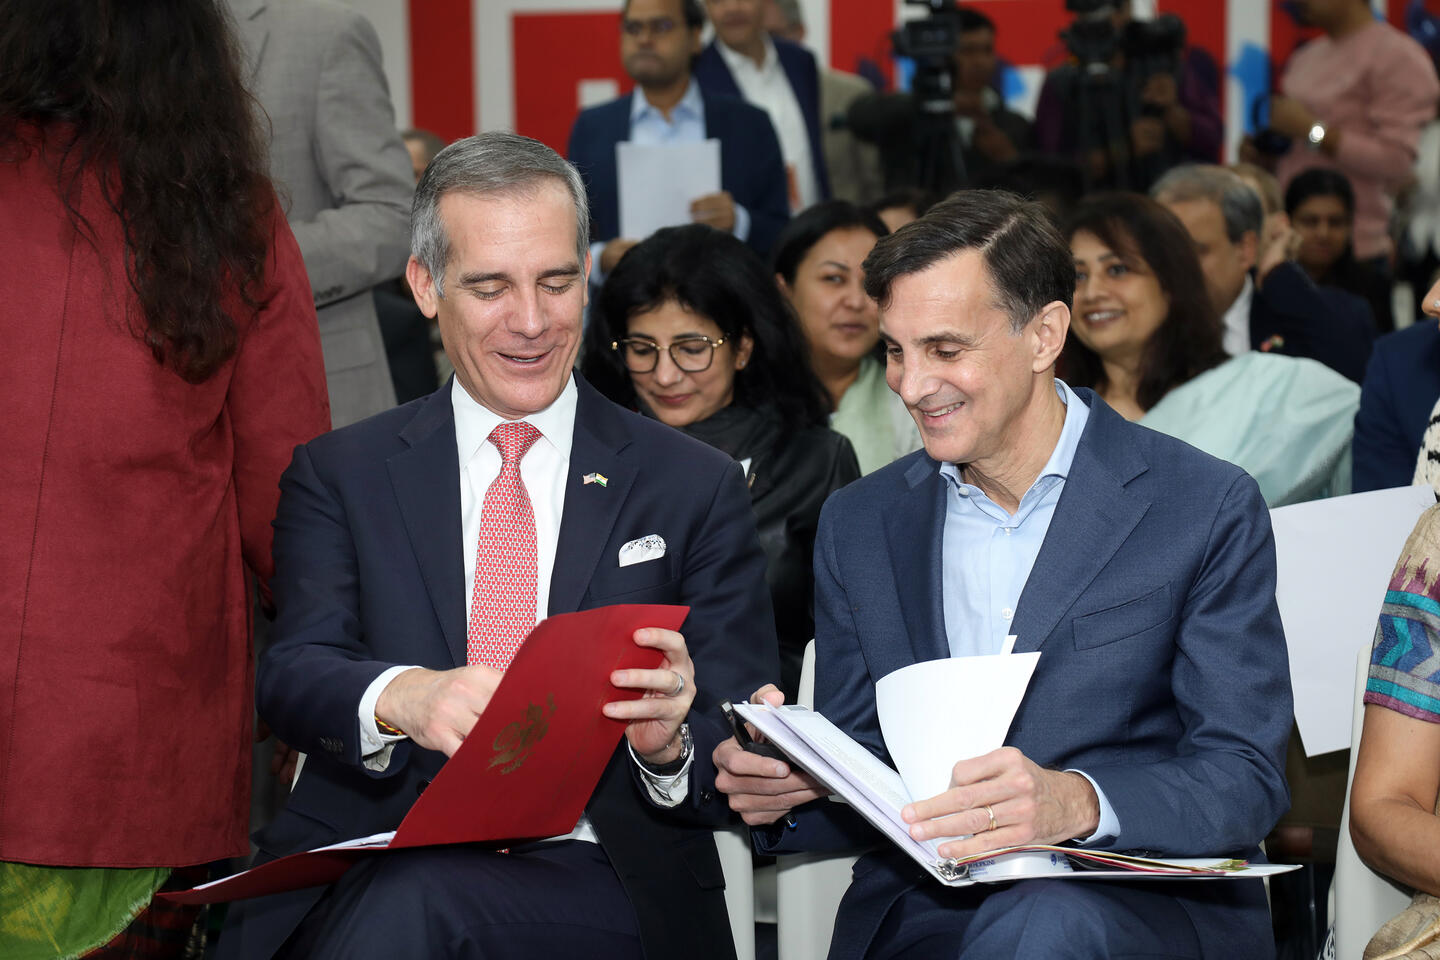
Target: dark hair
x,y
148,98
1028,262
689,9
1320,182
968,19
912,198
810,225
715,275
1188,341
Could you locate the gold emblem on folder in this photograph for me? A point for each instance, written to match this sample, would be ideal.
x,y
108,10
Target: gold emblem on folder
x,y
515,740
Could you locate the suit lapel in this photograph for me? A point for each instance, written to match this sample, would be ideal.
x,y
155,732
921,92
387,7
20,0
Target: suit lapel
x,y
914,532
1095,515
590,508
425,478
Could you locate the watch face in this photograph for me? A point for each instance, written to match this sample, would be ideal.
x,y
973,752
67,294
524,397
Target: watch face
x,y
1317,133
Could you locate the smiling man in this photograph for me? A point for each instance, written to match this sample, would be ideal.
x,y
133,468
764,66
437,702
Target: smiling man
x,y
1141,569
415,550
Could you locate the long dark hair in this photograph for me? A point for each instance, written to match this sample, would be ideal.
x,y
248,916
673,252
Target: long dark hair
x,y
1189,339
148,99
716,276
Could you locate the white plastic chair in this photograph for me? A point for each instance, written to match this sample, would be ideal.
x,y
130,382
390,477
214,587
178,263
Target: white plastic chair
x,y
733,845
808,886
1362,899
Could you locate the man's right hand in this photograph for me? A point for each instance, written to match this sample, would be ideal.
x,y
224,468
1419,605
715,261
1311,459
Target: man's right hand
x,y
437,708
613,251
762,790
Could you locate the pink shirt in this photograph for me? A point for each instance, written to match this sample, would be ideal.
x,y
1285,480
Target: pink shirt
x,y
1378,86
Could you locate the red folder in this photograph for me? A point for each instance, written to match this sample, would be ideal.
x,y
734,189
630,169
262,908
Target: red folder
x,y
527,768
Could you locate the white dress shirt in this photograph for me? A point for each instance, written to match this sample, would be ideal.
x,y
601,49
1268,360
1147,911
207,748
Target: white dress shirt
x,y
1237,321
767,87
543,470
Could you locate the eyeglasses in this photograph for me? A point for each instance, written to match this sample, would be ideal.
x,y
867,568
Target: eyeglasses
x,y
659,26
690,354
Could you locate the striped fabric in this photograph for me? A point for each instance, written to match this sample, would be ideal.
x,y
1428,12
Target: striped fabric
x,y
1405,660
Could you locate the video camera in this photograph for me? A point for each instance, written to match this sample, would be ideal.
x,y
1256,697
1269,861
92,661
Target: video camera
x,y
1152,46
930,43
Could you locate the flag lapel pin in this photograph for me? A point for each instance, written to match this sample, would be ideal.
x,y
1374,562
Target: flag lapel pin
x,y
596,478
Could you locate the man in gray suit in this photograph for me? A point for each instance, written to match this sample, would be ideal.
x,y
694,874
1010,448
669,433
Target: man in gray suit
x,y
342,172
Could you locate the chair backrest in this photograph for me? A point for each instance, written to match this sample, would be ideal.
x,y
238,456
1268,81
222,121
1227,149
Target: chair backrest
x,y
1363,898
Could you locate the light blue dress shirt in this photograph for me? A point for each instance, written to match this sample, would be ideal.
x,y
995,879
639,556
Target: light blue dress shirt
x,y
987,555
648,126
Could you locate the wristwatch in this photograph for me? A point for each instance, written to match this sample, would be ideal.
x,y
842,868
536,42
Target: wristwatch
x,y
687,746
1316,136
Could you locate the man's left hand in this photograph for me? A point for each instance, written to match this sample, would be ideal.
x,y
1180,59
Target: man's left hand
x,y
715,209
1029,805
653,721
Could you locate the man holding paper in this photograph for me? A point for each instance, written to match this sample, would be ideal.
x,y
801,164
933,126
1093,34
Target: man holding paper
x,y
658,40
1143,572
416,549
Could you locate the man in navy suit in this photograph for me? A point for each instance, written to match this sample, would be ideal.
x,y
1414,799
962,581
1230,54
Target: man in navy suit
x,y
1264,298
1397,399
390,531
779,76
658,40
1141,569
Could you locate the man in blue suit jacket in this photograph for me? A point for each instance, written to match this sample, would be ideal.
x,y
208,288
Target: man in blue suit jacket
x,y
369,673
1401,387
1141,569
745,61
658,40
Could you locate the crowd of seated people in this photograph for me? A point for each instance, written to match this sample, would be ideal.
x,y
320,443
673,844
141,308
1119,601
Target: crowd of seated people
x,y
1248,311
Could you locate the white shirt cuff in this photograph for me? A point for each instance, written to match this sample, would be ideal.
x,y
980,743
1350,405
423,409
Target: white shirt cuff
x,y
1109,823
742,224
376,747
668,791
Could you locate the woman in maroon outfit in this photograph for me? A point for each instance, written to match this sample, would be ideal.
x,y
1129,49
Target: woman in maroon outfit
x,y
159,361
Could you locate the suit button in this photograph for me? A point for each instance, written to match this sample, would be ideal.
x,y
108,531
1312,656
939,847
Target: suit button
x,y
420,787
706,796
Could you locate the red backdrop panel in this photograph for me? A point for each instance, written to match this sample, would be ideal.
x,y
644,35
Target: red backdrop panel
x,y
553,53
860,28
442,74
1027,31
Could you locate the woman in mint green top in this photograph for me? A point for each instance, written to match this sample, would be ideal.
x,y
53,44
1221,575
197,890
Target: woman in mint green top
x,y
1144,336
817,265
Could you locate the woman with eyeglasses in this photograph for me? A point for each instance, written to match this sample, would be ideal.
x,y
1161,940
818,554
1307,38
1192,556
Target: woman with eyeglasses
x,y
690,329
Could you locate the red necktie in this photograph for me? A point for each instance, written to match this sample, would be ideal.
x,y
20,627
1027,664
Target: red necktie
x,y
502,606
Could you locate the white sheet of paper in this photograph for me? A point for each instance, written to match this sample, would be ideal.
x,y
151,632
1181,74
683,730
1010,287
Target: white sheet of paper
x,y
939,712
658,181
1334,559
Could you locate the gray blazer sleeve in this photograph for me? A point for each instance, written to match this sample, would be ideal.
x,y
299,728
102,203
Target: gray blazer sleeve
x,y
363,237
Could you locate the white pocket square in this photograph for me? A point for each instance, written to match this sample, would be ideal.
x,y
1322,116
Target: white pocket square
x,y
641,549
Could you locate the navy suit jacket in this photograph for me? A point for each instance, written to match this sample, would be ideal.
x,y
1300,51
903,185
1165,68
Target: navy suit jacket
x,y
1305,320
1400,389
803,73
1162,671
369,574
751,169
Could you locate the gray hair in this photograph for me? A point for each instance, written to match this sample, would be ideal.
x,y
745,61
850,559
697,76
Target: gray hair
x,y
1239,202
490,163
